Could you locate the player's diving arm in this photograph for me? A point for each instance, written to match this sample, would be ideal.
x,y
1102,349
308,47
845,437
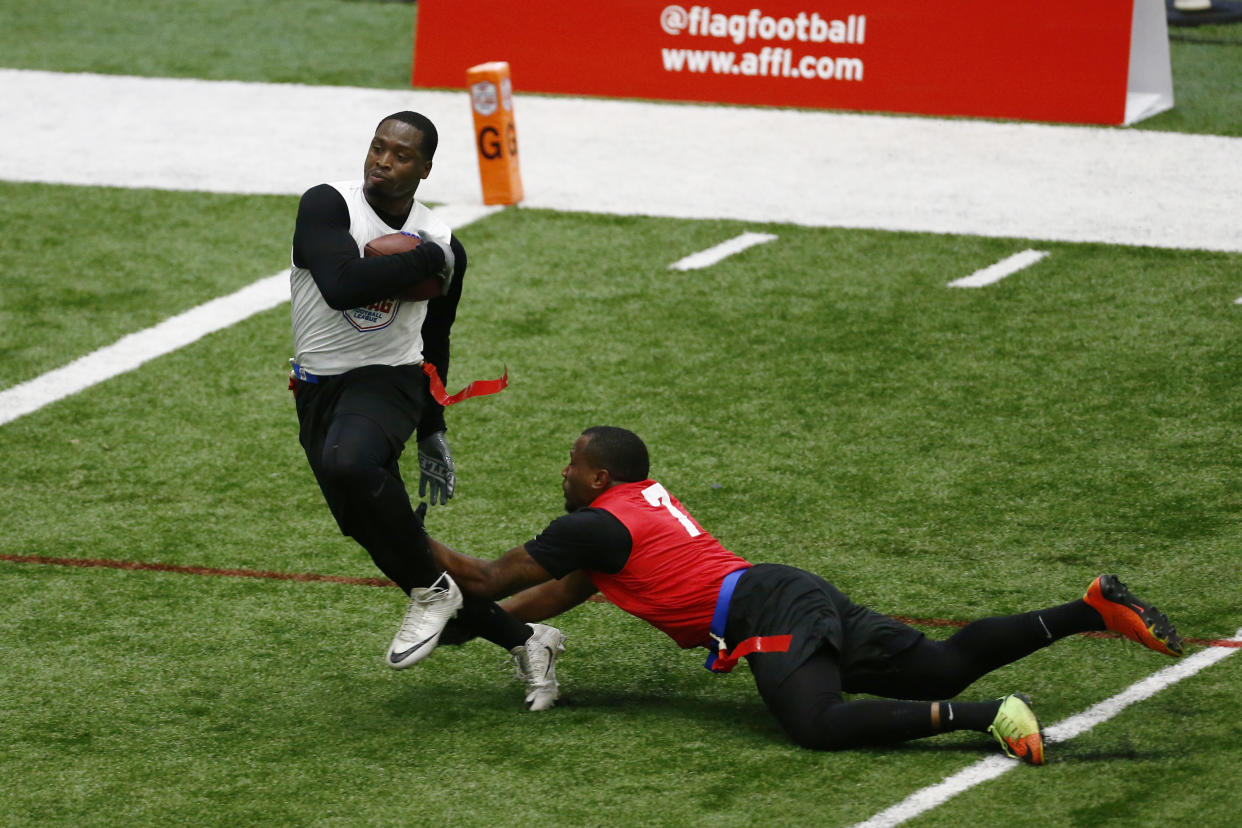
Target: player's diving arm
x,y
550,598
538,595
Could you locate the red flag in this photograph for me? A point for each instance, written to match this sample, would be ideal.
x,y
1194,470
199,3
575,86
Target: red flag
x,y
478,388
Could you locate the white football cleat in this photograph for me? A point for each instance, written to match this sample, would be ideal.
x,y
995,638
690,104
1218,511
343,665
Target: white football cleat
x,y
430,609
536,665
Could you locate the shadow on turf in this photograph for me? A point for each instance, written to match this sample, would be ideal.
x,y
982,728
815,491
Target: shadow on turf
x,y
745,715
453,702
739,717
982,746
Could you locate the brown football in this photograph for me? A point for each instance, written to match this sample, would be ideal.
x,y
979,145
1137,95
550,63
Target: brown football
x,y
399,243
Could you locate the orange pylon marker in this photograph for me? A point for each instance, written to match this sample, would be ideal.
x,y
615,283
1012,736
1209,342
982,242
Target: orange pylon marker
x,y
495,134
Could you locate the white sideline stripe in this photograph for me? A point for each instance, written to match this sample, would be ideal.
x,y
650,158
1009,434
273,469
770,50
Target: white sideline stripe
x,y
886,172
1080,723
992,767
998,271
459,215
709,257
132,350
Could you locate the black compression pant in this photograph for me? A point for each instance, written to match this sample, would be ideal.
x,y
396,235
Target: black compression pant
x,y
809,705
359,478
355,463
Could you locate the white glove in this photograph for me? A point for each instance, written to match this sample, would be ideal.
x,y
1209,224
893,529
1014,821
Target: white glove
x,y
446,274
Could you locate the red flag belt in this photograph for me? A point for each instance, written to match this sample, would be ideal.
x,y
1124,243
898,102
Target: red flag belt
x,y
722,661
478,388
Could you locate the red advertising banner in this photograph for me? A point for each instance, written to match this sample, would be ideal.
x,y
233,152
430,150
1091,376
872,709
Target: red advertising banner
x,y
1055,60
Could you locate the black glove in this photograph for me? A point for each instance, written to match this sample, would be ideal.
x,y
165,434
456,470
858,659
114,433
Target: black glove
x,y
435,466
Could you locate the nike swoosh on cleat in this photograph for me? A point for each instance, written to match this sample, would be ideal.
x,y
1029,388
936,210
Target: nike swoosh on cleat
x,y
551,655
402,656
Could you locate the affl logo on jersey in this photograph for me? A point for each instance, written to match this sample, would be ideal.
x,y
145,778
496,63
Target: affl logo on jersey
x,y
374,317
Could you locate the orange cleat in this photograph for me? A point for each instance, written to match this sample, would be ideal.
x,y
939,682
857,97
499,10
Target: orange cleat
x,y
1134,618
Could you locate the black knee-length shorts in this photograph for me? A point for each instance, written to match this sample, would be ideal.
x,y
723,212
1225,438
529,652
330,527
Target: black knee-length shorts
x,y
772,599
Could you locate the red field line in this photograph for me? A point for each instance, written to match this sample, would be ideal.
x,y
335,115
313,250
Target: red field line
x,y
384,582
196,570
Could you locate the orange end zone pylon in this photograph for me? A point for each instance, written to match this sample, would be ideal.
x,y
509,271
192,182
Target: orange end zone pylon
x,y
495,134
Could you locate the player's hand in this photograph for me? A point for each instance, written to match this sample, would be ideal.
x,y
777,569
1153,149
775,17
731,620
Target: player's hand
x,y
435,468
446,272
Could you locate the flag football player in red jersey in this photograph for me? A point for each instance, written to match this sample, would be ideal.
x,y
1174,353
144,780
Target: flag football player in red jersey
x,y
806,642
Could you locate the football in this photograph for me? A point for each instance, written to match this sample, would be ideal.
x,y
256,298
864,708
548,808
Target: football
x,y
399,243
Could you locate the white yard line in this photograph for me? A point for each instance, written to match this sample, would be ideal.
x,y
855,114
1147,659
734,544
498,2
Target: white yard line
x,y
992,767
1005,267
1184,668
132,350
722,251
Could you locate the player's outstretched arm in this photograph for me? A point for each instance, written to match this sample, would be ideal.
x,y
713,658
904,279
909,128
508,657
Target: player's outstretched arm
x,y
550,598
511,572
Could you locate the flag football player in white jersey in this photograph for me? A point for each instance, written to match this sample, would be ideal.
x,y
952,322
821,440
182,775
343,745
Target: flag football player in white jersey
x,y
364,343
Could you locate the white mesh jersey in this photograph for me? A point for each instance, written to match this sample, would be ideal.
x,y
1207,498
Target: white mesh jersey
x,y
388,332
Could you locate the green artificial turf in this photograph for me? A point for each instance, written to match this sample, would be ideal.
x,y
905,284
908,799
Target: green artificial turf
x,y
337,42
824,401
